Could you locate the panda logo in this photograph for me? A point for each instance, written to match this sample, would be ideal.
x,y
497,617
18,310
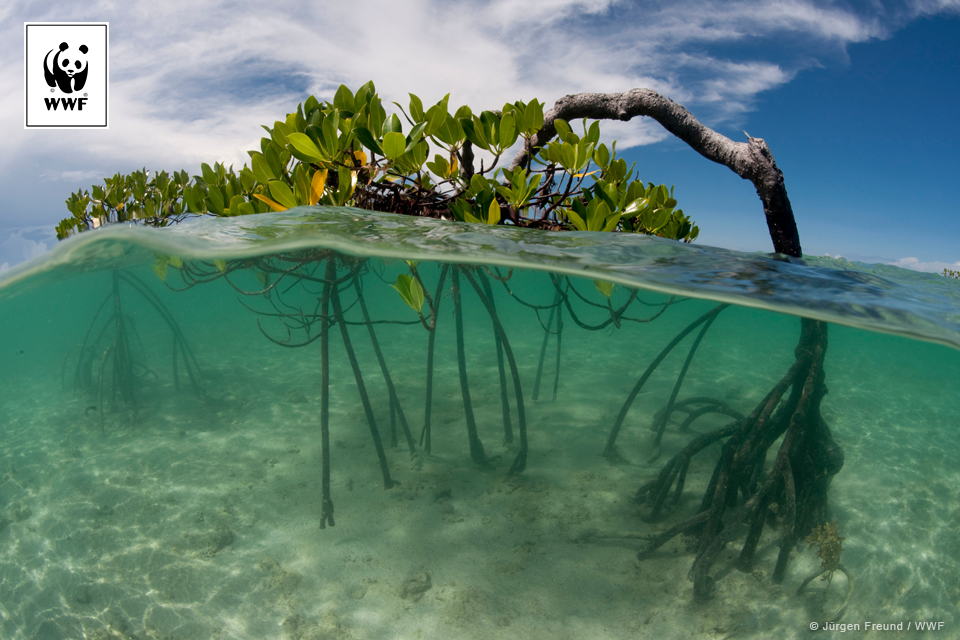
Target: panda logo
x,y
67,67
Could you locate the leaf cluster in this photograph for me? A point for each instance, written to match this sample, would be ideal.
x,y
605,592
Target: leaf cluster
x,y
350,151
156,200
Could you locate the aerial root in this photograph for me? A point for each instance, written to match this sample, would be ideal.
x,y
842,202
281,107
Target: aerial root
x,y
846,600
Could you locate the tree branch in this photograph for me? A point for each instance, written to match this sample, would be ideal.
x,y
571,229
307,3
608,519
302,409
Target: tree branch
x,y
751,160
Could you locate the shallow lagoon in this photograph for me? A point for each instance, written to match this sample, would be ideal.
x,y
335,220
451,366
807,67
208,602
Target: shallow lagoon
x,y
198,515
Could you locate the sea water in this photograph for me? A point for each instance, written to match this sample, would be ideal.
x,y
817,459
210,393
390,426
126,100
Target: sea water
x,y
182,512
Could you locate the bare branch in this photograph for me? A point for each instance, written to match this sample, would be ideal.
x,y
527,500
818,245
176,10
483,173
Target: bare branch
x,y
751,160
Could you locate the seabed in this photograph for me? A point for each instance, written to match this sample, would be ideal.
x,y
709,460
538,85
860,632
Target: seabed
x,y
197,515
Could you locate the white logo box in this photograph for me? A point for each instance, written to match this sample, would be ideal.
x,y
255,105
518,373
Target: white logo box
x,y
66,87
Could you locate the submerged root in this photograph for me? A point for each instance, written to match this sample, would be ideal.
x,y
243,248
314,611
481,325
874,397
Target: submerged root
x,y
807,460
588,535
846,600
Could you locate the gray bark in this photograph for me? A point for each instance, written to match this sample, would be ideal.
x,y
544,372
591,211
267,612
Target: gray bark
x,y
751,160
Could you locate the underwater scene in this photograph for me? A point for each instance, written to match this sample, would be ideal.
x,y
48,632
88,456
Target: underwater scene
x,y
334,423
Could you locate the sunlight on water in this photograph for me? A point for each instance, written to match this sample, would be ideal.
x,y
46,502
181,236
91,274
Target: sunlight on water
x,y
161,446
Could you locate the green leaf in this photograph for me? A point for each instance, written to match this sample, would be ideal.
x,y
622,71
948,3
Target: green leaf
x,y
272,154
366,139
480,184
331,134
654,220
450,131
568,157
601,156
247,179
533,116
574,218
344,100
215,199
161,269
474,133
394,145
416,156
508,130
347,180
436,117
493,212
192,200
416,109
415,135
410,291
279,133
593,134
365,92
597,215
392,125
208,175
282,194
221,265
439,166
235,203
302,143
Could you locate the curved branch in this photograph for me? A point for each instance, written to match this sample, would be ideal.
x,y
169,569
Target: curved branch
x,y
751,160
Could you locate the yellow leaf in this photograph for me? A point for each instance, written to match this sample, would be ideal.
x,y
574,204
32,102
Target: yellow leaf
x,y
606,288
273,205
361,156
316,186
452,171
580,175
221,264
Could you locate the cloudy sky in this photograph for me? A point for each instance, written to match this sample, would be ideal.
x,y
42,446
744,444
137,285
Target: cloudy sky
x,y
858,100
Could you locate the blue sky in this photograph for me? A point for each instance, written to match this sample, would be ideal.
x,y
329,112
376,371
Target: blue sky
x,y
857,100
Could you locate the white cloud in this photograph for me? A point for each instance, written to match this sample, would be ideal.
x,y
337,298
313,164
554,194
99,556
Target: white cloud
x,y
73,176
512,14
929,267
192,82
25,243
932,7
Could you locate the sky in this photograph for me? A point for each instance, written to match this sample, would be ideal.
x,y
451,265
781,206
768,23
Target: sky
x,y
857,100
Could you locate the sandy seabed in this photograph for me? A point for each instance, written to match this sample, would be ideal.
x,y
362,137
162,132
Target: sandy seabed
x,y
199,517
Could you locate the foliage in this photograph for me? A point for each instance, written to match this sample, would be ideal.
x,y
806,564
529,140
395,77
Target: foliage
x,y
950,273
410,290
350,152
136,197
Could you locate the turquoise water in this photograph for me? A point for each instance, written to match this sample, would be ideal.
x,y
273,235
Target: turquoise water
x,y
140,507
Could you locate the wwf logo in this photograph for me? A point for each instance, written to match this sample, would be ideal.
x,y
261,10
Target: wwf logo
x,y
67,68
66,75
